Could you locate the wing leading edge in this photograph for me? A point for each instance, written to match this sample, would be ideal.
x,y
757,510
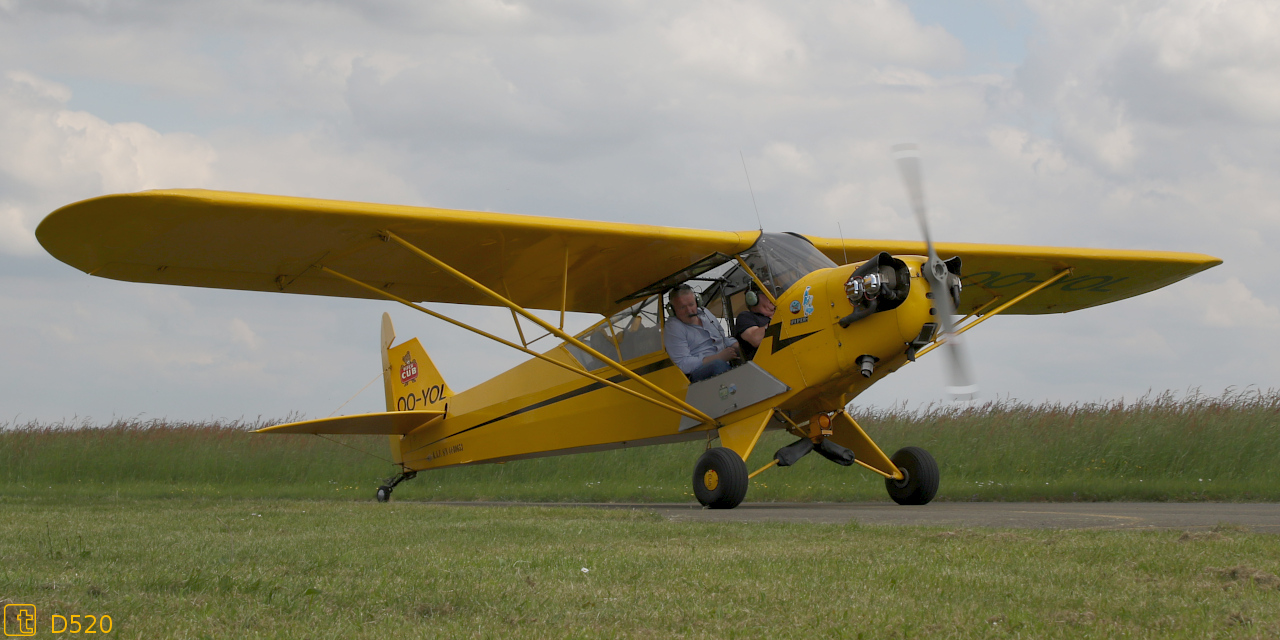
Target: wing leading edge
x,y
275,243
1099,276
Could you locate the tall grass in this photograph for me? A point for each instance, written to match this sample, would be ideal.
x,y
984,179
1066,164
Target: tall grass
x,y
1161,447
1158,447
156,456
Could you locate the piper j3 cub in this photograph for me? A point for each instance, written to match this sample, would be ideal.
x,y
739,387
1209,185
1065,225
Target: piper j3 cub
x,y
848,314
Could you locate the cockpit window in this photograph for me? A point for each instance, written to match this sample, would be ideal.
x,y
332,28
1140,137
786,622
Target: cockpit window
x,y
780,259
599,337
628,334
637,329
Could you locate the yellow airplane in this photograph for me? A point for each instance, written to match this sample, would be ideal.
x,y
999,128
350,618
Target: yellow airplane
x,y
848,314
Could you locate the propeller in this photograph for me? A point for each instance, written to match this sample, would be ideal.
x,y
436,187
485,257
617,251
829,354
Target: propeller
x,y
960,383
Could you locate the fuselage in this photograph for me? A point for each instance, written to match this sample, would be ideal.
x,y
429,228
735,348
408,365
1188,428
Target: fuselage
x,y
538,409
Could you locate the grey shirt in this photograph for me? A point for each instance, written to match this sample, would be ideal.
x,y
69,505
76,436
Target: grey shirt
x,y
688,344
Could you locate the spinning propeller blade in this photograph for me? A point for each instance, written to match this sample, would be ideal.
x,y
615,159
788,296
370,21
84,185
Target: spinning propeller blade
x,y
960,382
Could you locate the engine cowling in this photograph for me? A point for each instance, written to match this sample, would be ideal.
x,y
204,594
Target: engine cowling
x,y
880,284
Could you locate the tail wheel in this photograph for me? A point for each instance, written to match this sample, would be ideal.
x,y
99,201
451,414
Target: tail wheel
x,y
920,482
720,479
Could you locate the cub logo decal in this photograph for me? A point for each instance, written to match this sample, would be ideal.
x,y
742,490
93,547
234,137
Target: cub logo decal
x,y
409,370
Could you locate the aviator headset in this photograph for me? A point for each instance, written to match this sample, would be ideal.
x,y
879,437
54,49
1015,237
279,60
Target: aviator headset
x,y
675,291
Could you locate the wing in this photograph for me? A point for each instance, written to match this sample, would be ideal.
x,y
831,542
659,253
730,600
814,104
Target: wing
x,y
273,243
1098,276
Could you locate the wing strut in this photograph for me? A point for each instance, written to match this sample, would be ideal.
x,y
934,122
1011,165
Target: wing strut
x,y
544,358
514,317
564,291
559,333
977,321
980,310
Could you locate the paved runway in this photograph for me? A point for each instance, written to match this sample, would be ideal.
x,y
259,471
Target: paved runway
x,y
1263,518
1259,517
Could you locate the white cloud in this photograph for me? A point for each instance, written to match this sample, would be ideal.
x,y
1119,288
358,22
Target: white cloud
x,y
1220,57
126,156
1230,304
21,83
52,155
1130,124
15,236
1207,64
241,333
1102,131
737,39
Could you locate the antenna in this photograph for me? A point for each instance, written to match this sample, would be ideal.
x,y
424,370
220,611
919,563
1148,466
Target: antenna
x,y
842,246
753,191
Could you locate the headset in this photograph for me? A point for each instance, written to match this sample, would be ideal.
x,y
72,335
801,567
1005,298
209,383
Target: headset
x,y
751,297
679,290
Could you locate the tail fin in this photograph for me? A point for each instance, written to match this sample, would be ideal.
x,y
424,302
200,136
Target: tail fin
x,y
411,380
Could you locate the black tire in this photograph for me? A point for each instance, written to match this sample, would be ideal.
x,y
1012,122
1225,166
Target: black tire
x,y
720,479
383,494
921,482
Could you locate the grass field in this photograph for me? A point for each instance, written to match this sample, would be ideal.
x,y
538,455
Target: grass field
x,y
1160,448
209,531
260,568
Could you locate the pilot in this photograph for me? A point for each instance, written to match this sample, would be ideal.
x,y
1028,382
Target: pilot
x,y
695,343
750,325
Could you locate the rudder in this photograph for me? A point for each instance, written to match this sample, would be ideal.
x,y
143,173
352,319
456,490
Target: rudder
x,y
410,379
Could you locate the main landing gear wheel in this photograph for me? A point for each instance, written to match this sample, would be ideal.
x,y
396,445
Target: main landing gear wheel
x,y
384,493
720,479
921,482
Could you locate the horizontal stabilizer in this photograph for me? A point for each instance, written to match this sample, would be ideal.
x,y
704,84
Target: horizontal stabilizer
x,y
367,424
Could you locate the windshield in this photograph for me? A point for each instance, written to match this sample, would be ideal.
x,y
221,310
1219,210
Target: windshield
x,y
780,259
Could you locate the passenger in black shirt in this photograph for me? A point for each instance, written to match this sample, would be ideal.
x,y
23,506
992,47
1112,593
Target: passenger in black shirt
x,y
750,325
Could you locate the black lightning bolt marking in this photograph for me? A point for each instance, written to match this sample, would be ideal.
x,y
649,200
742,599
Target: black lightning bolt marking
x,y
775,330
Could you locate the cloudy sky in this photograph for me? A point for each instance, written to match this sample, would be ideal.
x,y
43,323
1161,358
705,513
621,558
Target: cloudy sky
x,y
1117,124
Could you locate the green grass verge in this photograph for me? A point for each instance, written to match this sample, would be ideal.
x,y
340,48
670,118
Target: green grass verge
x,y
244,568
1197,448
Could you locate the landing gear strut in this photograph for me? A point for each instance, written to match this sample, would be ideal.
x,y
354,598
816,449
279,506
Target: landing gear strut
x,y
384,492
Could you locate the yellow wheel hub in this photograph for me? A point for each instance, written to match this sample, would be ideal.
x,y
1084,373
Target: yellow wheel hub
x,y
711,480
